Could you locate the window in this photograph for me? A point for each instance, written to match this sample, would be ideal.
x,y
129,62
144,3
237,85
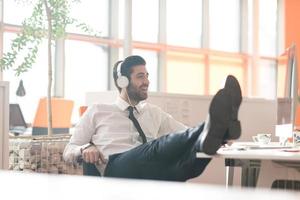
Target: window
x,y
250,27
220,67
224,20
121,18
35,80
267,27
93,13
151,65
22,8
267,78
282,75
145,20
185,73
184,22
177,63
86,71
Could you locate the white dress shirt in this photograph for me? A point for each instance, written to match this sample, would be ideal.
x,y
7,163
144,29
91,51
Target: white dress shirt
x,y
110,129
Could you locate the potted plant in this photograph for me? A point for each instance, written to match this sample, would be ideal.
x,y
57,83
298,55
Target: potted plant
x,y
49,19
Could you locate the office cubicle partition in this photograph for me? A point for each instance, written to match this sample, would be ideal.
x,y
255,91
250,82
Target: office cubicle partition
x,y
4,121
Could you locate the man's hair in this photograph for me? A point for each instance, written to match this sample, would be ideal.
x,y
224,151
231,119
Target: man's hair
x,y
126,66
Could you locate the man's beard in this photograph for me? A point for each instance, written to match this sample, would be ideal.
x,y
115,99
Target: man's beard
x,y
136,94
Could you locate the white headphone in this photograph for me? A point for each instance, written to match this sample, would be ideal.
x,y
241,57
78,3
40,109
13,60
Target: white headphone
x,y
122,81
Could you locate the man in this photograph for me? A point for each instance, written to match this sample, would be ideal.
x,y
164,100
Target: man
x,y
134,139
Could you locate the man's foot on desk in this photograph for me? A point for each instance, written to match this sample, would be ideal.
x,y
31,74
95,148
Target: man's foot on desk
x,y
232,85
222,123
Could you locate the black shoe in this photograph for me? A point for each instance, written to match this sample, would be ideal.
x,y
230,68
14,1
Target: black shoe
x,y
232,85
222,123
217,124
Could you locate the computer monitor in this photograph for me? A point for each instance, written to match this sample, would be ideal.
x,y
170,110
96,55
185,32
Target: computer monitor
x,y
287,93
16,118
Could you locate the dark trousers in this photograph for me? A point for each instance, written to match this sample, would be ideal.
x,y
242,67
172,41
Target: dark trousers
x,y
171,157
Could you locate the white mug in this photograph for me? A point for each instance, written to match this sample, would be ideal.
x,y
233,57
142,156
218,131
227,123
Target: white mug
x,y
262,138
296,138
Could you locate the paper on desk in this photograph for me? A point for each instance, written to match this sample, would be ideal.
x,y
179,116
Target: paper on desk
x,y
253,146
284,130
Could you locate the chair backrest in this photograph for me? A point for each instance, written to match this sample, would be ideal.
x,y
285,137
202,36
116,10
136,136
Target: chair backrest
x,y
61,116
16,117
82,110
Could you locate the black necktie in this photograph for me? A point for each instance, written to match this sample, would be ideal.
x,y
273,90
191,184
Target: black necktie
x,y
136,124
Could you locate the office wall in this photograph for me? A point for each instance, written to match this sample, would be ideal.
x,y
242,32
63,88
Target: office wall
x,y
292,25
4,123
256,116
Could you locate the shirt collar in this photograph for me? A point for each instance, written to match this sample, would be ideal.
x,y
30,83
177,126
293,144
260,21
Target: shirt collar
x,y
123,105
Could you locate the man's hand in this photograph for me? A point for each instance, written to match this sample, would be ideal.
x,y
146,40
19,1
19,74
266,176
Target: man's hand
x,y
93,155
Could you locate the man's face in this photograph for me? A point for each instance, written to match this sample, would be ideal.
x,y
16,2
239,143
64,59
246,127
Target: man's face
x,y
139,82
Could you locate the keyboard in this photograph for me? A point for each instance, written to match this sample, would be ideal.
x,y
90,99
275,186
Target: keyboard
x,y
18,130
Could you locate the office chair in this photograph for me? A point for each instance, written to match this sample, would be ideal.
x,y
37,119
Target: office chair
x,y
90,169
17,124
61,116
82,110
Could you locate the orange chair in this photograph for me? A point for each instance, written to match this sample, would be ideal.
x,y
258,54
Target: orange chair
x,y
61,116
82,110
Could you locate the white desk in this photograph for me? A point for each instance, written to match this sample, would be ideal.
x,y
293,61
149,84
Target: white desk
x,y
17,185
269,163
